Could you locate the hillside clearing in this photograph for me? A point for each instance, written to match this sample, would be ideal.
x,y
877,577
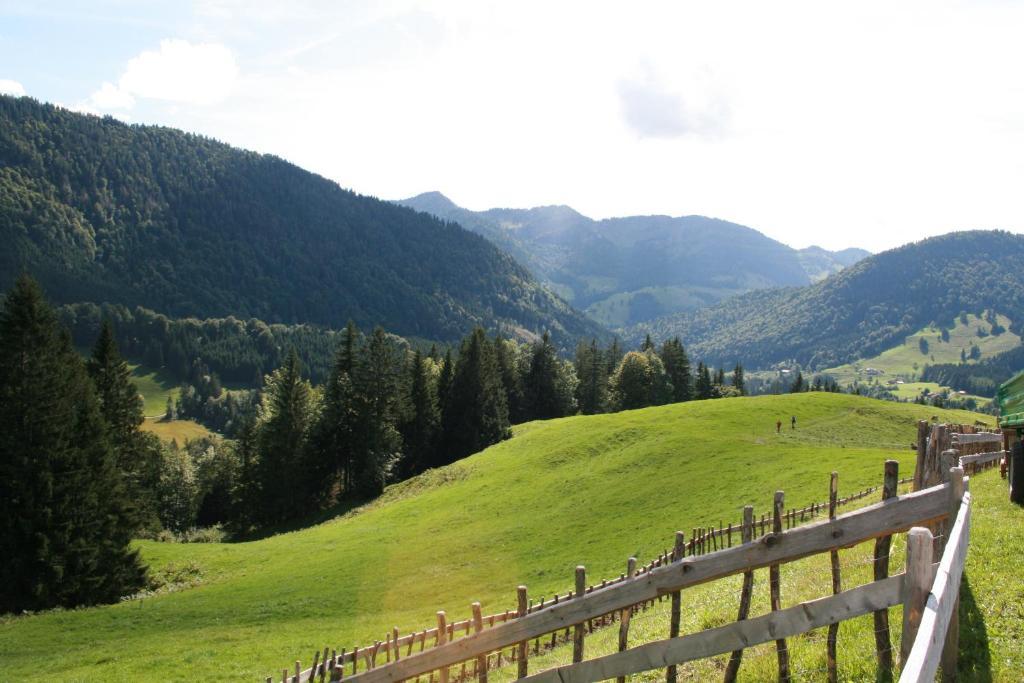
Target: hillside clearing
x,y
906,361
179,431
589,490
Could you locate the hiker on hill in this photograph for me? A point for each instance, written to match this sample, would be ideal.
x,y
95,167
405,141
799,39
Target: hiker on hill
x,y
778,426
792,422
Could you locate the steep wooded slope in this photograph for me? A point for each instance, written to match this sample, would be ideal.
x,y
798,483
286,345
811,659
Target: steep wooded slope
x,y
101,211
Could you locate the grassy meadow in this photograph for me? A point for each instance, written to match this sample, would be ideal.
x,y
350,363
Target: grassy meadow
x,y
581,490
905,362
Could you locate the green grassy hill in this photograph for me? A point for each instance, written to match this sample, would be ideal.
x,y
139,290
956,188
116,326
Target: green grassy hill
x,y
589,490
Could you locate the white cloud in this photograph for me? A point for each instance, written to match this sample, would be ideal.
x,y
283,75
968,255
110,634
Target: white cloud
x,y
9,87
109,96
179,72
654,110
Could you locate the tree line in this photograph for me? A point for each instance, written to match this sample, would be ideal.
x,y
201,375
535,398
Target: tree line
x,y
80,478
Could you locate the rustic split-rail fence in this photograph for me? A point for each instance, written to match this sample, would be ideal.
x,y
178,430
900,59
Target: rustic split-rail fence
x,y
935,513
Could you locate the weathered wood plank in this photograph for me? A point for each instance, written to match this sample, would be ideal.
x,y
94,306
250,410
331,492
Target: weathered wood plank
x,y
981,458
980,437
923,661
774,584
782,624
746,594
883,641
579,598
832,638
858,526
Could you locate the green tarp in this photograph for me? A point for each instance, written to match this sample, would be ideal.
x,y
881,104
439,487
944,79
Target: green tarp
x,y
1011,401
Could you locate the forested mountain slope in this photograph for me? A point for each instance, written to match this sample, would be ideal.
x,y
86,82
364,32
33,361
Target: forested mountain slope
x,y
861,310
99,210
627,270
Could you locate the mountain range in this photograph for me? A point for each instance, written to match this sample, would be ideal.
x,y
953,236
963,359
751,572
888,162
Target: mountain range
x,y
623,271
861,310
102,211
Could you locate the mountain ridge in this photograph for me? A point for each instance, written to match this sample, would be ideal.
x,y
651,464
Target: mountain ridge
x,y
861,310
626,270
99,210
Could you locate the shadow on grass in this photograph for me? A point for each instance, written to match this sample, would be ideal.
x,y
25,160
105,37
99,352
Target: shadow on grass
x,y
313,519
975,662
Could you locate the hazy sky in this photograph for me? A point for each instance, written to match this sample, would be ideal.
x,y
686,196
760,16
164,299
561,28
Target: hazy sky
x,y
868,125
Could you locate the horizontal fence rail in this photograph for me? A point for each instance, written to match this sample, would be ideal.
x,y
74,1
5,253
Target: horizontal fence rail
x,y
927,591
703,540
881,519
741,634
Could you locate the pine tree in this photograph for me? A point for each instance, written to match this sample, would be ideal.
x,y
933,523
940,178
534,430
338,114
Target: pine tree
x,y
137,454
505,356
247,495
544,397
288,411
704,387
798,383
738,379
677,367
719,378
419,429
380,443
592,373
333,439
64,528
648,344
614,356
476,412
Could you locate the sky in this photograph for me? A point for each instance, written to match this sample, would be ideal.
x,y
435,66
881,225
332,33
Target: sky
x,y
867,124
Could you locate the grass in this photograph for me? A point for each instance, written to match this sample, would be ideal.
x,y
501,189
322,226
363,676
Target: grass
x,y
590,490
906,360
177,430
155,386
992,593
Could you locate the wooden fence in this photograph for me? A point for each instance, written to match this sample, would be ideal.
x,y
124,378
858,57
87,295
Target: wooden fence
x,y
479,644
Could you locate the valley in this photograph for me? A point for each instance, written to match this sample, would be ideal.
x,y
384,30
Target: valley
x,y
524,511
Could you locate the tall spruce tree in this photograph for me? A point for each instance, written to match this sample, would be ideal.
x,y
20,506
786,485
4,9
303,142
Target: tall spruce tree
x,y
592,372
282,442
247,495
544,397
380,443
798,384
476,412
64,525
137,454
738,380
677,367
333,439
420,426
505,354
704,386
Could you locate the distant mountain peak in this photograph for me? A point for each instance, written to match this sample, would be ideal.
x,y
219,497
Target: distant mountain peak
x,y
430,201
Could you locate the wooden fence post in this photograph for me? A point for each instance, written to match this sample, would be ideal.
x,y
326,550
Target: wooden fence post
x,y
442,638
577,639
678,553
951,647
776,593
922,449
883,641
523,645
733,668
918,582
624,618
478,626
837,582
